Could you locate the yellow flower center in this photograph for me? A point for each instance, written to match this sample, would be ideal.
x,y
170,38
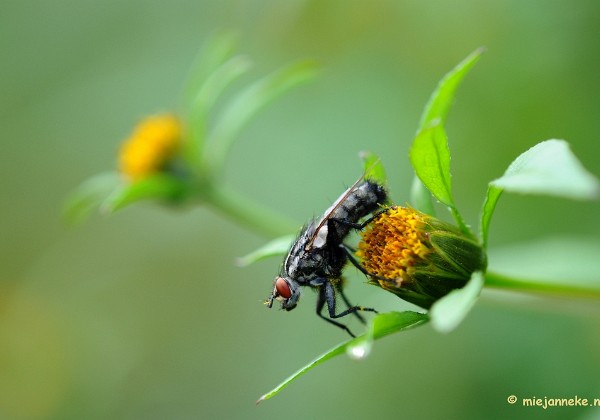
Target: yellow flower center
x,y
153,142
394,244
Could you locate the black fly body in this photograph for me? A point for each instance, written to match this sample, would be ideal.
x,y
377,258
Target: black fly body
x,y
318,255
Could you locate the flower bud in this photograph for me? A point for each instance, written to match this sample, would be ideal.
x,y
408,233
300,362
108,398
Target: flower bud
x,y
416,256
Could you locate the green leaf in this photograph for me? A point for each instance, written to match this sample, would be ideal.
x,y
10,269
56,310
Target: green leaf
x,y
245,105
563,265
548,168
89,196
448,312
373,167
430,158
278,246
382,325
441,100
214,53
159,186
436,110
208,93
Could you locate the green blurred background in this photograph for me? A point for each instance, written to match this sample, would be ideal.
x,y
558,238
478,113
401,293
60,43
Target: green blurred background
x,y
144,315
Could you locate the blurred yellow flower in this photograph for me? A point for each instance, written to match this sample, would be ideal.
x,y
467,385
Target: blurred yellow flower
x,y
152,144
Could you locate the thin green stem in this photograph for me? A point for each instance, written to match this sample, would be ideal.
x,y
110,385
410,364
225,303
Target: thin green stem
x,y
248,212
567,288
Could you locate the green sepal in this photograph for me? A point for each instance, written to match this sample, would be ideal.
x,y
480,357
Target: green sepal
x,y
463,254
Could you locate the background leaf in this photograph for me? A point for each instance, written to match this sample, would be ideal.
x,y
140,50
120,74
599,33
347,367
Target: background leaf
x,y
218,49
246,104
278,246
89,196
448,312
207,94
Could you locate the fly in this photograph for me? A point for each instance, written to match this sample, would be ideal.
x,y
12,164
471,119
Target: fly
x,y
318,255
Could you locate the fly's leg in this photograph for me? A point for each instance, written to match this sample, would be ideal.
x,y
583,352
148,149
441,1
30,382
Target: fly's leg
x,y
349,253
327,295
357,264
321,300
359,226
349,305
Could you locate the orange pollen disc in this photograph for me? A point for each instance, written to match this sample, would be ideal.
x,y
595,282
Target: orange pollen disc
x,y
394,243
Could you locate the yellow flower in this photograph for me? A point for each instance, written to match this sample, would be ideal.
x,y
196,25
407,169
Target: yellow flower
x,y
149,148
416,256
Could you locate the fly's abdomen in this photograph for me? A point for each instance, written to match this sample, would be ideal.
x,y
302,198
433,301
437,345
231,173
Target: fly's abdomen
x,y
361,201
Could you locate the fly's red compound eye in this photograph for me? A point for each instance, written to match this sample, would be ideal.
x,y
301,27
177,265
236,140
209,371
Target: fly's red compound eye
x,y
282,287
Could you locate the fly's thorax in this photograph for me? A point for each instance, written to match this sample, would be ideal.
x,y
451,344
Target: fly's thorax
x,y
297,256
307,265
316,253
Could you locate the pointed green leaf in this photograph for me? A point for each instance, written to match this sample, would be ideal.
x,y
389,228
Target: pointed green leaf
x,y
278,246
437,109
448,312
159,186
245,105
548,168
213,54
208,93
89,196
430,158
382,325
441,100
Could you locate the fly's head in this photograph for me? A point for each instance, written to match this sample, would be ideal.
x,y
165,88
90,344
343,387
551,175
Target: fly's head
x,y
285,290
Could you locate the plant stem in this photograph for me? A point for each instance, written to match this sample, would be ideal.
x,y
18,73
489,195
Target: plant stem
x,y
248,212
566,287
